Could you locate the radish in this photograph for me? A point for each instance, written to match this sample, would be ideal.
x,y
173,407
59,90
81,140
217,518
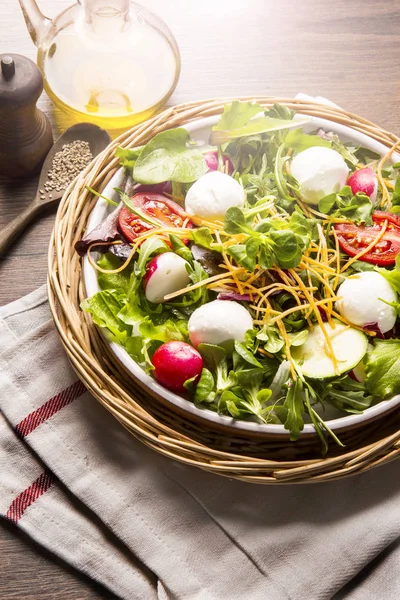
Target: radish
x,y
219,322
364,181
165,273
176,362
212,161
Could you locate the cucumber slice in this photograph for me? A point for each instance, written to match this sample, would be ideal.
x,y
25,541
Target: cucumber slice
x,y
349,346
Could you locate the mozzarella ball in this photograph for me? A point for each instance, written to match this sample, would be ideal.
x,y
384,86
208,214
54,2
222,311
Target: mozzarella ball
x,y
320,171
360,300
211,196
165,274
219,322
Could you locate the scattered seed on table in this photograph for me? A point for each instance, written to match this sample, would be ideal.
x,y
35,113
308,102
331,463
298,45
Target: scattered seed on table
x,y
66,165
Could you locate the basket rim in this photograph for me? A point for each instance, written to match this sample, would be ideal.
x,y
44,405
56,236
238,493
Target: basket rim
x,y
82,346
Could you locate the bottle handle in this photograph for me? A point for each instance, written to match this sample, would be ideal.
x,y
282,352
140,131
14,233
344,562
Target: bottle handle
x,y
35,20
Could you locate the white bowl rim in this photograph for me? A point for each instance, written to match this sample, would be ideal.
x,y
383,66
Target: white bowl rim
x,y
90,279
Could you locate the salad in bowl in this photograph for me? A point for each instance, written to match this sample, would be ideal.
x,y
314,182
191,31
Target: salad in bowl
x,y
257,275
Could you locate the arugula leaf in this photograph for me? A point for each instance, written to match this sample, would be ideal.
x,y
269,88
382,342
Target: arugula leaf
x,y
236,114
128,156
382,368
153,245
237,122
299,141
393,276
167,157
346,394
294,404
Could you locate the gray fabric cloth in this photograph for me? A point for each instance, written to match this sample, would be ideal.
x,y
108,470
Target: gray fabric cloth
x,y
175,531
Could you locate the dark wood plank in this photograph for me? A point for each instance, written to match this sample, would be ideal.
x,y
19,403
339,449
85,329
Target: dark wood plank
x,y
346,51
28,572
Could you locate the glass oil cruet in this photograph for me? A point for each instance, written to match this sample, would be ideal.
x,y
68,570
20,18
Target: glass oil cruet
x,y
109,62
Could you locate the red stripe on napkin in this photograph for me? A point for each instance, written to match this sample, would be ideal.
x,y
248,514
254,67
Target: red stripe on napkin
x,y
28,496
49,408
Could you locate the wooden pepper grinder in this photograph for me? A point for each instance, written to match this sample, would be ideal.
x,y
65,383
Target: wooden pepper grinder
x,y
25,132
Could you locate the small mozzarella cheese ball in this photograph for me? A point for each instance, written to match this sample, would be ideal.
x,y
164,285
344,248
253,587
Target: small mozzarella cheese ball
x,y
219,322
211,196
360,300
165,274
320,171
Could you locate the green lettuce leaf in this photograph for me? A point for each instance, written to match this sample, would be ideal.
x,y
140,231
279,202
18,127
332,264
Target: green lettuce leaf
x,y
382,368
236,114
128,156
298,140
255,126
168,157
104,307
113,281
237,121
392,275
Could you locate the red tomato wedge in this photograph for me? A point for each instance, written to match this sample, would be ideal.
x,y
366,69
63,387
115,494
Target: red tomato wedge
x,y
159,208
354,238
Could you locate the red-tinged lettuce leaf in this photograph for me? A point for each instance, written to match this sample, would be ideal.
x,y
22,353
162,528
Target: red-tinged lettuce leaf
x,y
107,231
234,296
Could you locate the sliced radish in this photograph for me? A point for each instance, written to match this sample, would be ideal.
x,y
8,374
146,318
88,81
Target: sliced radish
x,y
165,273
359,372
174,363
365,181
312,358
219,322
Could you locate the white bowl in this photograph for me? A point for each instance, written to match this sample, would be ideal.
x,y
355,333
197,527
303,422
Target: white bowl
x,y
200,131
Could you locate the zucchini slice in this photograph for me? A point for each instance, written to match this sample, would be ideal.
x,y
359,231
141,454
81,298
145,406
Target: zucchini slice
x,y
312,358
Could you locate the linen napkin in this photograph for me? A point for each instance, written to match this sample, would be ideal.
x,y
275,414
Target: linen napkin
x,y
148,527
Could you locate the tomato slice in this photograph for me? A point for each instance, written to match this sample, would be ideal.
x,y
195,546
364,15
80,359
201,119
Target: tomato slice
x,y
161,209
354,238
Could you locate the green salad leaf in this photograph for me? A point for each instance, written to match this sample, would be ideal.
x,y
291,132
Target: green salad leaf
x,y
105,307
299,141
238,121
357,208
294,405
236,114
271,241
169,157
392,275
382,368
128,156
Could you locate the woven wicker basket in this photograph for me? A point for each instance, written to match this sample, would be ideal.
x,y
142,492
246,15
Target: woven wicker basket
x,y
255,460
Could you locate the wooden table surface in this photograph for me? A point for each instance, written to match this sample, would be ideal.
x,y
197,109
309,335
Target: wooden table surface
x,y
346,50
